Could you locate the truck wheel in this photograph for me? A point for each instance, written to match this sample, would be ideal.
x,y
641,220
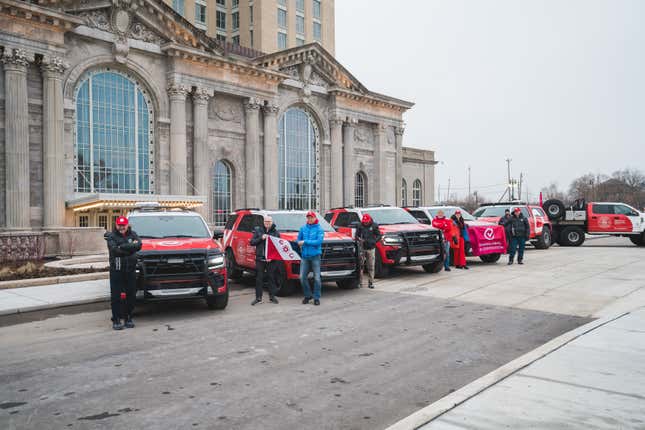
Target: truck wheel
x,y
284,286
638,240
232,271
217,302
349,284
490,258
433,267
380,270
544,240
572,236
554,209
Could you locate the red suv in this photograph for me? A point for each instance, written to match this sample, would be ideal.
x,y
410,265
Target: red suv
x,y
405,241
179,258
541,230
339,260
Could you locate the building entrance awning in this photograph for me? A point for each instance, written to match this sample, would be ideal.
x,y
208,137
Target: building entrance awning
x,y
100,201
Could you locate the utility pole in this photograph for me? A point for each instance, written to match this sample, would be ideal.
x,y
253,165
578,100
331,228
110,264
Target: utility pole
x,y
438,193
508,166
519,189
448,194
469,182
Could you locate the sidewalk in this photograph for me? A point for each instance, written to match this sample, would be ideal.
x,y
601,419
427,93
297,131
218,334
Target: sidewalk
x,y
593,380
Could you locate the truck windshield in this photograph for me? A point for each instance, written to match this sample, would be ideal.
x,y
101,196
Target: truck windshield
x,y
385,216
164,226
450,211
292,221
490,211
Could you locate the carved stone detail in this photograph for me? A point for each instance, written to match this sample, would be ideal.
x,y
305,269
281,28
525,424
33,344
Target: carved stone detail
x,y
318,80
399,131
252,104
226,112
360,135
97,19
17,58
53,66
271,109
390,136
177,91
202,95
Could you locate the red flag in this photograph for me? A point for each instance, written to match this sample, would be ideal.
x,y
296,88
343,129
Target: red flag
x,y
279,249
540,198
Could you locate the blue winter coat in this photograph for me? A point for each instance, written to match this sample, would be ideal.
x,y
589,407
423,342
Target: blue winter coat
x,y
313,235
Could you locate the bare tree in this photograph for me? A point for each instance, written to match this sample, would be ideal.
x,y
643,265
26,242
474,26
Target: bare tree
x,y
553,192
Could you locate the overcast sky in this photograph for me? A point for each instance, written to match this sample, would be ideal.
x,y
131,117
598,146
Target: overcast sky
x,y
556,85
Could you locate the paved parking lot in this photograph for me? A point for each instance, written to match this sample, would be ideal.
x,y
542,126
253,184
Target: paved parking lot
x,y
362,360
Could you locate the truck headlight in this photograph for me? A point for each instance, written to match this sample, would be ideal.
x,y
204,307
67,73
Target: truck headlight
x,y
392,239
215,261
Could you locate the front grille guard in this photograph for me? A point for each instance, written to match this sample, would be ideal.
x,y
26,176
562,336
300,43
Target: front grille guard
x,y
197,259
434,242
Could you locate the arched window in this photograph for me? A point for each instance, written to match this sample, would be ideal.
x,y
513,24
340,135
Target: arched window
x,y
404,192
416,193
222,193
360,190
298,161
114,137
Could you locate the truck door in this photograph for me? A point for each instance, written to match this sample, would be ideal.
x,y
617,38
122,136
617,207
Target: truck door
x,y
244,252
531,219
626,219
600,217
538,217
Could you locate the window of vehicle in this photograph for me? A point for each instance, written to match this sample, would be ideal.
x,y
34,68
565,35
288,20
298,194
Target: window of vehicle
x,y
525,212
490,211
345,219
230,222
386,216
166,226
538,212
624,210
292,221
450,211
421,216
249,222
329,216
603,209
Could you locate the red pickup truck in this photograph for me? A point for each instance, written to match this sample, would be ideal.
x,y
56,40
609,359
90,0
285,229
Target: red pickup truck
x,y
339,261
541,227
405,241
570,225
487,239
179,258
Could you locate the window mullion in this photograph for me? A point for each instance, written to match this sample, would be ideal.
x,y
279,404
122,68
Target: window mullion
x,y
91,128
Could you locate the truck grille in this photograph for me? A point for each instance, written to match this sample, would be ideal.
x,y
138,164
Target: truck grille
x,y
168,265
336,256
422,242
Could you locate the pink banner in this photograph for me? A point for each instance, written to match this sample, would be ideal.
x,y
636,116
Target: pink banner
x,y
489,239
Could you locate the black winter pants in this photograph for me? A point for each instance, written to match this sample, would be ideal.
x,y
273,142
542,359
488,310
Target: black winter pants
x,y
268,271
121,281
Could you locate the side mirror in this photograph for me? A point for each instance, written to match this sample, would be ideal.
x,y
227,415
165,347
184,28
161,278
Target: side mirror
x,y
218,234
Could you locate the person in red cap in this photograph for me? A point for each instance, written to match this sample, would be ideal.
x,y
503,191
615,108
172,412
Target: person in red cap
x,y
123,245
520,232
445,225
459,246
310,239
368,234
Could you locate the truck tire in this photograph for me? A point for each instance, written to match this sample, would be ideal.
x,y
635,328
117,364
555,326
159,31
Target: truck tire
x,y
554,209
572,236
433,267
545,239
232,271
638,240
284,286
490,258
380,270
217,302
349,284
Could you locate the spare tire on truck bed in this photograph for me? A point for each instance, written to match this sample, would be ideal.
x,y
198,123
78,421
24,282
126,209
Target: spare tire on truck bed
x,y
554,209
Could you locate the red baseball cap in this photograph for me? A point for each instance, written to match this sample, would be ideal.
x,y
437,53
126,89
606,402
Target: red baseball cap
x,y
366,219
457,212
121,221
517,210
311,214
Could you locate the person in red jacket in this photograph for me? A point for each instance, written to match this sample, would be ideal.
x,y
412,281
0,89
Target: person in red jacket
x,y
459,245
445,225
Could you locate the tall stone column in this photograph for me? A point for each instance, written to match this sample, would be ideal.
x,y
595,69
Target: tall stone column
x,y
16,122
178,171
398,133
53,152
349,170
252,153
200,148
336,127
271,157
380,164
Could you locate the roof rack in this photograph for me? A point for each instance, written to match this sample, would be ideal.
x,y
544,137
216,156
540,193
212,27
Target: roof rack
x,y
246,209
342,207
379,205
481,205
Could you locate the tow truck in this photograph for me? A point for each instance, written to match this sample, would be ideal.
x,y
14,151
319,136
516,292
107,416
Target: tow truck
x,y
339,260
179,258
405,240
571,224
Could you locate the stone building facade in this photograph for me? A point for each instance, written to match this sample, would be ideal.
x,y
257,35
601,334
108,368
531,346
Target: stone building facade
x,y
111,102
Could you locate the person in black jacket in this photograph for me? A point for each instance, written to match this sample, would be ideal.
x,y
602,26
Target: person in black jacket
x,y
123,245
264,268
368,234
520,232
505,222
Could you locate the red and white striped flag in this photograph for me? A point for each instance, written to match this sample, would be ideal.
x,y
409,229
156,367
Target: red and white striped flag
x,y
279,249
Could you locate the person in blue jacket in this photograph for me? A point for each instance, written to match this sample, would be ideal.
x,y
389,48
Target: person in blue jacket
x,y
310,239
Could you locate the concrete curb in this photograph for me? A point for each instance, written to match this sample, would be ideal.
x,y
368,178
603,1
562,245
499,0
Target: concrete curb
x,y
37,282
454,399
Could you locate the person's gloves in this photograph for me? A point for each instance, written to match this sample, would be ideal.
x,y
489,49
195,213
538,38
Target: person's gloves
x,y
455,240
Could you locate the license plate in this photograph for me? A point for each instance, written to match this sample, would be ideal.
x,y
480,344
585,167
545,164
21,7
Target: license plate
x,y
175,261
